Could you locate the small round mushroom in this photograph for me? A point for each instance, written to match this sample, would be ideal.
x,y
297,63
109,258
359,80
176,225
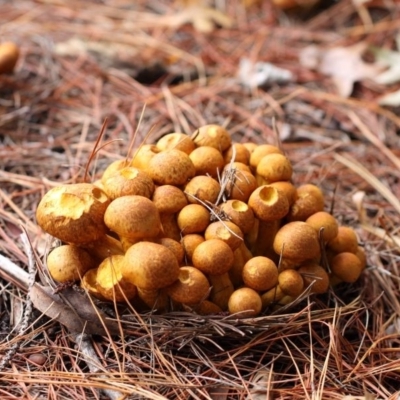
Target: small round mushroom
x,y
213,136
213,257
193,218
325,223
69,263
150,266
190,288
291,282
202,189
171,167
169,199
207,161
133,218
274,167
260,151
347,267
345,241
297,241
245,301
178,141
260,273
128,181
309,201
314,274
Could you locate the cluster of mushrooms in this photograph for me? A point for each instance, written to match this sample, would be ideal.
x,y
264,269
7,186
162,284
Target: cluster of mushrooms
x,y
198,223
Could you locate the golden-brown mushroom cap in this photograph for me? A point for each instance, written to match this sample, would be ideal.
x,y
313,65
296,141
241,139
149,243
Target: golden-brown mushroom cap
x,y
73,213
150,266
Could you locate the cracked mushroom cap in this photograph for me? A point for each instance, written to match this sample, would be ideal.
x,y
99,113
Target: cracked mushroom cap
x,y
73,213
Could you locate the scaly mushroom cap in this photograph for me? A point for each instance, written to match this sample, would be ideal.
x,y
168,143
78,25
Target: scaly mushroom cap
x,y
212,135
269,203
128,181
297,241
133,217
73,213
191,287
178,141
245,301
171,167
150,266
69,263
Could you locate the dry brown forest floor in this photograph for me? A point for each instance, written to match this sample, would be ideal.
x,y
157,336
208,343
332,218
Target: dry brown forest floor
x,y
127,55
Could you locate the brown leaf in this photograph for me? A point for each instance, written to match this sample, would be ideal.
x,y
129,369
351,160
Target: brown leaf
x,y
344,64
204,19
72,309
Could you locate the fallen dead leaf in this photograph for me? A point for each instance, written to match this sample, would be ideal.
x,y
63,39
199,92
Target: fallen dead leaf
x,y
343,64
204,19
389,59
390,99
261,73
72,309
261,386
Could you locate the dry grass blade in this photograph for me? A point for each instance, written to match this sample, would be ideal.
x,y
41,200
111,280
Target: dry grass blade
x,y
382,189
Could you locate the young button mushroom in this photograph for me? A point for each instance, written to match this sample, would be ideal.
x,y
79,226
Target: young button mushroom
x,y
274,168
190,288
178,141
143,155
213,257
260,151
241,186
207,161
74,213
226,231
175,247
169,199
291,282
297,241
345,241
325,223
128,181
241,154
189,243
89,284
69,263
313,274
213,136
171,167
347,267
133,218
260,273
193,218
150,266
202,188
309,201
245,301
